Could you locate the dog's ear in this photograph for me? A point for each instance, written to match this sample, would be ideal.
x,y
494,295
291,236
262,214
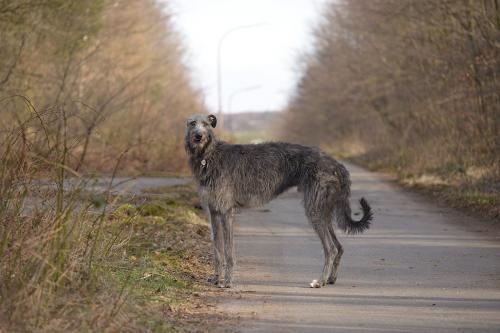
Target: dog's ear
x,y
212,120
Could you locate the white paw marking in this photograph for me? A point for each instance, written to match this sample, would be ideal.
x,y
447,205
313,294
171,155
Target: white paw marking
x,y
315,284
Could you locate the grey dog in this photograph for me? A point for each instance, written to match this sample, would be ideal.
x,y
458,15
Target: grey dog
x,y
231,176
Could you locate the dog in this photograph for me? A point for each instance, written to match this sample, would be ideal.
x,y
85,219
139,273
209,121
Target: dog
x,y
234,176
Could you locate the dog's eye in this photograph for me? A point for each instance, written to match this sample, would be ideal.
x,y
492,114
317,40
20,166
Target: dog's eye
x,y
193,123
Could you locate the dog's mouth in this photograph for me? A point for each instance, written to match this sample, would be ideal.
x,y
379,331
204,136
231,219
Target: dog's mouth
x,y
197,138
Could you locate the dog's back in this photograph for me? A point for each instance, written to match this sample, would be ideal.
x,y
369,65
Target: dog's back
x,y
255,174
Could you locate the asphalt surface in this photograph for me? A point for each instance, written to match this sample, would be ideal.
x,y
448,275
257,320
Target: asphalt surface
x,y
420,268
135,185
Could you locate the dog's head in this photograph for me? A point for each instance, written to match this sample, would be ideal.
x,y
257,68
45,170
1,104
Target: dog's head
x,y
199,132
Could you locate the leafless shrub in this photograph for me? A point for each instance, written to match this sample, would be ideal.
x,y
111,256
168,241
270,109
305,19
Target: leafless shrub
x,y
115,67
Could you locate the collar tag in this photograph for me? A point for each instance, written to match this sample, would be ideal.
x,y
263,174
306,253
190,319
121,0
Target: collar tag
x,y
203,163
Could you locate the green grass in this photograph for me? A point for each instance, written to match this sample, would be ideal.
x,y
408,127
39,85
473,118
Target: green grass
x,y
153,209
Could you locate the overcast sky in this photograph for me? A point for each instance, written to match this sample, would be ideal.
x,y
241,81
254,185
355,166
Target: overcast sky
x,y
263,57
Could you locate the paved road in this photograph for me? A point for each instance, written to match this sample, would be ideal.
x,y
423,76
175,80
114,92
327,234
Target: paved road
x,y
135,185
421,268
120,185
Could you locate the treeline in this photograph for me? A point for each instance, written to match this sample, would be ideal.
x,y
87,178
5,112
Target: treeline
x,y
100,80
409,85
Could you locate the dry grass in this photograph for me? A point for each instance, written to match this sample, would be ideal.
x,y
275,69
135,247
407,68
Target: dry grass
x,y
478,198
77,261
139,267
475,190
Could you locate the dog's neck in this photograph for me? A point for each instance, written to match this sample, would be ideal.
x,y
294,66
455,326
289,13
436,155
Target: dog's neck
x,y
199,158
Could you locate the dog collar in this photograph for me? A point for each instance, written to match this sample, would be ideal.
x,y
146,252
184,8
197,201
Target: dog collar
x,y
203,163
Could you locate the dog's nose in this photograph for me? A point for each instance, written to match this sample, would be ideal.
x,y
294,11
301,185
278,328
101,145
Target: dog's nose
x,y
198,136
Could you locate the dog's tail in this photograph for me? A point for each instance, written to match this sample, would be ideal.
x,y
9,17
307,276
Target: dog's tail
x,y
344,220
342,208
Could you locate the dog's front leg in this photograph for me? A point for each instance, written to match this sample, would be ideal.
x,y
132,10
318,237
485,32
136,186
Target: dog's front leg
x,y
217,241
227,226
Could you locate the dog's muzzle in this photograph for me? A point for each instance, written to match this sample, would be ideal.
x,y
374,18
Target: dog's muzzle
x,y
196,138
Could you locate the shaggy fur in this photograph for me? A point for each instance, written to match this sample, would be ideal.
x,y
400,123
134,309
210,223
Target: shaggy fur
x,y
239,176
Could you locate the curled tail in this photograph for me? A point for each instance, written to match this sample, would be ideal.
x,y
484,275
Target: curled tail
x,y
346,223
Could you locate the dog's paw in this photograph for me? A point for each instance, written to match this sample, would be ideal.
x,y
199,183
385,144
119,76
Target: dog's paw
x,y
214,279
223,284
315,284
332,281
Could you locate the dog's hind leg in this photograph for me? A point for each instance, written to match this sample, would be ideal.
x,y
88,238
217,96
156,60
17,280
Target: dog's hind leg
x,y
217,241
340,250
227,226
321,228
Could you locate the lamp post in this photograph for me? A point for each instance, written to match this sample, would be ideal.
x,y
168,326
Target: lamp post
x,y
219,62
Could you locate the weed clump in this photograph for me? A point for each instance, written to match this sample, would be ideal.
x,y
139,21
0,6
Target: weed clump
x,y
152,209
